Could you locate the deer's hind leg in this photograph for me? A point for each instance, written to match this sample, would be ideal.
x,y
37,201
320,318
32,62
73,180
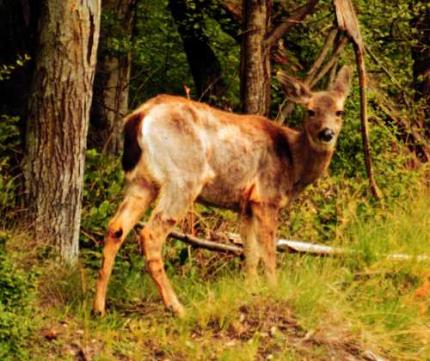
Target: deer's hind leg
x,y
174,200
137,200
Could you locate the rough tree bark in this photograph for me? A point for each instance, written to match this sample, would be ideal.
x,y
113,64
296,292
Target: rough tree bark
x,y
204,65
111,84
258,39
255,57
58,121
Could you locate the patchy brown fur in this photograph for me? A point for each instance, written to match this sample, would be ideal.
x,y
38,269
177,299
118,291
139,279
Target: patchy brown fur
x,y
179,151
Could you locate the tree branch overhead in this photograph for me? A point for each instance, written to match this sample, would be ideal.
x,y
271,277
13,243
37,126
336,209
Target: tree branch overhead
x,y
297,16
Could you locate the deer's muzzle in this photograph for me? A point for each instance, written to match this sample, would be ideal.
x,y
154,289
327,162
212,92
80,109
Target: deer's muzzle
x,y
326,135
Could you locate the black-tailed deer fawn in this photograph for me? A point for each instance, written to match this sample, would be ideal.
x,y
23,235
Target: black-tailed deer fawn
x,y
177,151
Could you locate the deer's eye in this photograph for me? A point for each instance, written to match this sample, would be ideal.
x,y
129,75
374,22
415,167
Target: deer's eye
x,y
339,113
311,112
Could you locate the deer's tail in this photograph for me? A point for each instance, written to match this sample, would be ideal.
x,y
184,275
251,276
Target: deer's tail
x,y
132,151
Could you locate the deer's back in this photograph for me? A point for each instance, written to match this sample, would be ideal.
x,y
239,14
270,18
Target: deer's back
x,y
232,156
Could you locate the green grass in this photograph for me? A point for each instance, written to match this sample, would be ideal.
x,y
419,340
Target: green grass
x,y
324,308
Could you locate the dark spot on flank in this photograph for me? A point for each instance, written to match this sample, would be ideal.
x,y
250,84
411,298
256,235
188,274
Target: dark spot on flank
x,y
118,233
132,151
247,210
279,141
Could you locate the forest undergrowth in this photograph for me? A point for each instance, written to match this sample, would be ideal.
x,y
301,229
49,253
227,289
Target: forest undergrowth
x,y
363,305
325,308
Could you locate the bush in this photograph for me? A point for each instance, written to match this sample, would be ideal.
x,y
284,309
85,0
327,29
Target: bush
x,y
9,144
15,310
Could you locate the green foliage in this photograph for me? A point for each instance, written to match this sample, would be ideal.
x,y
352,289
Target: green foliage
x,y
104,180
227,52
158,56
10,151
322,307
6,70
16,291
322,293
9,145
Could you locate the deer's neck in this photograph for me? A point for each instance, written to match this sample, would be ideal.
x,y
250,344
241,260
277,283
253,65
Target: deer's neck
x,y
308,163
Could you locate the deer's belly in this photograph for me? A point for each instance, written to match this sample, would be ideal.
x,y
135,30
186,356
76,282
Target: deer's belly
x,y
235,165
229,190
221,195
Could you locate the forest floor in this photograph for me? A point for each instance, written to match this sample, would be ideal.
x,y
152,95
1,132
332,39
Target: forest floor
x,y
362,306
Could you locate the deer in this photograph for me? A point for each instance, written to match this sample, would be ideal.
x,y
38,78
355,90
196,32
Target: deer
x,y
178,151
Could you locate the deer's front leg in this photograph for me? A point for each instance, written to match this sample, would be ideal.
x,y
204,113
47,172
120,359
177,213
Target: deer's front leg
x,y
265,218
248,228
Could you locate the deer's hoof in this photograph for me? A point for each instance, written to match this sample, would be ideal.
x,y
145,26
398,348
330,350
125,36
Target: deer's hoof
x,y
177,310
98,311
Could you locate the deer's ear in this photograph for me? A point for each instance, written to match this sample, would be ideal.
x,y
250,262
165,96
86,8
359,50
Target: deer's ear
x,y
342,84
295,89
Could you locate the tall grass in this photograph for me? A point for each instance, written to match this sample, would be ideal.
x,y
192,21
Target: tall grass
x,y
323,308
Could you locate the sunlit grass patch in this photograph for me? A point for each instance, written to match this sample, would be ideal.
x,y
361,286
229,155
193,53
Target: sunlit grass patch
x,y
323,307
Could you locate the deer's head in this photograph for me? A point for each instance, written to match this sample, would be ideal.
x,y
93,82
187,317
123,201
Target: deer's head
x,y
324,109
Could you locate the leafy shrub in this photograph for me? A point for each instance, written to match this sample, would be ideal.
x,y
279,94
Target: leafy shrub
x,y
103,183
9,143
15,310
104,180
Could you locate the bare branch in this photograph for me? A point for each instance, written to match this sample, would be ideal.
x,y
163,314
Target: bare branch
x,y
296,17
326,68
322,55
383,67
348,22
410,135
203,243
389,74
228,14
359,55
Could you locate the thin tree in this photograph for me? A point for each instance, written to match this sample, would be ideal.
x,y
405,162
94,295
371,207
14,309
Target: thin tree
x,y
58,114
204,64
111,84
258,39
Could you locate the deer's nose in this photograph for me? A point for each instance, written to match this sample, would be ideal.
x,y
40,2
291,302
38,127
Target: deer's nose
x,y
326,135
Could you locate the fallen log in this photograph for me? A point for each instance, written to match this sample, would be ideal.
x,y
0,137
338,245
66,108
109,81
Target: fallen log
x,y
282,245
206,244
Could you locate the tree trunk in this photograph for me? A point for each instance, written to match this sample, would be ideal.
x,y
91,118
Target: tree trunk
x,y
111,84
57,126
255,57
204,65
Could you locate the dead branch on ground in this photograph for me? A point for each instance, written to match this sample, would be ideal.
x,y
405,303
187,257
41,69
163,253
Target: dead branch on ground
x,y
282,245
